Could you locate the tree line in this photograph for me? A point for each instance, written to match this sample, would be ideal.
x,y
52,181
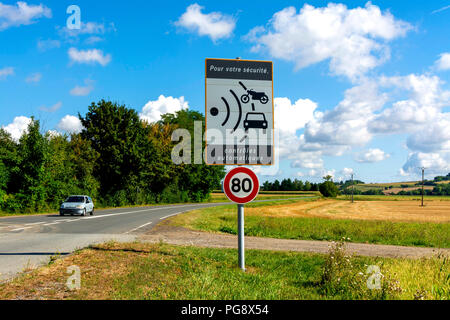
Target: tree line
x,y
290,185
117,159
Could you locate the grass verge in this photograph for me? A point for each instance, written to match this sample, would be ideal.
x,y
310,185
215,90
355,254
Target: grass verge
x,y
160,271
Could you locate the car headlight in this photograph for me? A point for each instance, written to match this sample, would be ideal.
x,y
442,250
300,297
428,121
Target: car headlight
x,y
62,206
80,207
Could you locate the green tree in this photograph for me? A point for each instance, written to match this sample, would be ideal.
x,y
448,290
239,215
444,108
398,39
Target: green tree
x,y
198,180
29,175
116,133
328,188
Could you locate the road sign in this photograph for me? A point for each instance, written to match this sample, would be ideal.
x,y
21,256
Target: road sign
x,y
241,185
239,112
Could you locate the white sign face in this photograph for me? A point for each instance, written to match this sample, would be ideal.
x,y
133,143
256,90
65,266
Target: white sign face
x,y
239,112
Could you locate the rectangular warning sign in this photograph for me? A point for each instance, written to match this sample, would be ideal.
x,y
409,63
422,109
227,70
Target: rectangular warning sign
x,y
239,112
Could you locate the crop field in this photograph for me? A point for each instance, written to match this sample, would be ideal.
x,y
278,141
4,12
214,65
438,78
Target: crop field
x,y
406,211
401,222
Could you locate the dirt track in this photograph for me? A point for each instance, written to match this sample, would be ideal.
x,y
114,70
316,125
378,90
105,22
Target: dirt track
x,y
182,236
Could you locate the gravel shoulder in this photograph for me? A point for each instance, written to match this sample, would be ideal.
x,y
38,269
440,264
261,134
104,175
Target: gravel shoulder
x,y
182,236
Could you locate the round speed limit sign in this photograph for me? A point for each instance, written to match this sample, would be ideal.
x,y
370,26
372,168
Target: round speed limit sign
x,y
241,185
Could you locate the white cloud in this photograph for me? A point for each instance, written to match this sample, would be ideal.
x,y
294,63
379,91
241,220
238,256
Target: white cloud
x,y
435,163
432,138
5,72
347,172
444,61
17,128
214,25
292,117
422,108
44,45
354,40
70,124
440,9
93,40
371,156
53,133
83,90
153,110
345,126
92,30
52,108
91,56
322,173
21,14
35,77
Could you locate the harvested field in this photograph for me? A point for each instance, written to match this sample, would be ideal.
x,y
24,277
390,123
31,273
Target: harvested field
x,y
407,211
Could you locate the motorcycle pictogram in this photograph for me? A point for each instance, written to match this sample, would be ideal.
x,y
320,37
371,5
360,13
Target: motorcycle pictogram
x,y
259,96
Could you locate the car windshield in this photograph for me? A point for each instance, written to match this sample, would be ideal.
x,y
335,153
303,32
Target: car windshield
x,y
257,117
75,199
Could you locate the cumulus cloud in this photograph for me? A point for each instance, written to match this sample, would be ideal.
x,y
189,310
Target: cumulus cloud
x,y
432,138
83,90
21,14
444,61
290,117
91,56
214,25
435,163
52,108
5,72
347,124
70,124
347,172
153,110
35,77
18,127
426,100
353,40
371,156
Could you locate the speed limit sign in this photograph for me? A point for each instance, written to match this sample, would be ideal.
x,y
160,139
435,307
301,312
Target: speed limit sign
x,y
241,185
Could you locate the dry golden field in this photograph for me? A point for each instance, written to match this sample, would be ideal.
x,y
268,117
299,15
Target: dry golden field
x,y
408,211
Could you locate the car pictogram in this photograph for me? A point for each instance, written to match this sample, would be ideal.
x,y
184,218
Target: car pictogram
x,y
255,120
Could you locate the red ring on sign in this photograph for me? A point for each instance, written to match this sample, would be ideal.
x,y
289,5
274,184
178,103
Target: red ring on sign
x,y
229,193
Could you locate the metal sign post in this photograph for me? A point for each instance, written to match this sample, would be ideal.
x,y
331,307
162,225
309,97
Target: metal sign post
x,y
241,244
241,186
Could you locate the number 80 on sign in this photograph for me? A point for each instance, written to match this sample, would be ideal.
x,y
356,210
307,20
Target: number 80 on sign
x,y
241,185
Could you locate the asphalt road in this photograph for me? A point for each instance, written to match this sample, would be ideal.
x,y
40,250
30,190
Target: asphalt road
x,y
30,241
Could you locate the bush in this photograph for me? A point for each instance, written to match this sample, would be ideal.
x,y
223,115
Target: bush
x,y
342,277
328,189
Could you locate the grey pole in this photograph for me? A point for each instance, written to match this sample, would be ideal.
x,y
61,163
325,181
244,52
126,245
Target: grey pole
x,y
353,187
241,248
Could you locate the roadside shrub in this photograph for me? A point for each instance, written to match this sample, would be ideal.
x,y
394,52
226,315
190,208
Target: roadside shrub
x,y
343,278
328,189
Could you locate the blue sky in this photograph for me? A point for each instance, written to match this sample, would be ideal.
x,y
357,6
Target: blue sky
x,y
362,87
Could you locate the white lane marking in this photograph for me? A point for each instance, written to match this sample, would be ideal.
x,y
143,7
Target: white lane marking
x,y
35,223
170,215
120,213
50,224
24,228
138,227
